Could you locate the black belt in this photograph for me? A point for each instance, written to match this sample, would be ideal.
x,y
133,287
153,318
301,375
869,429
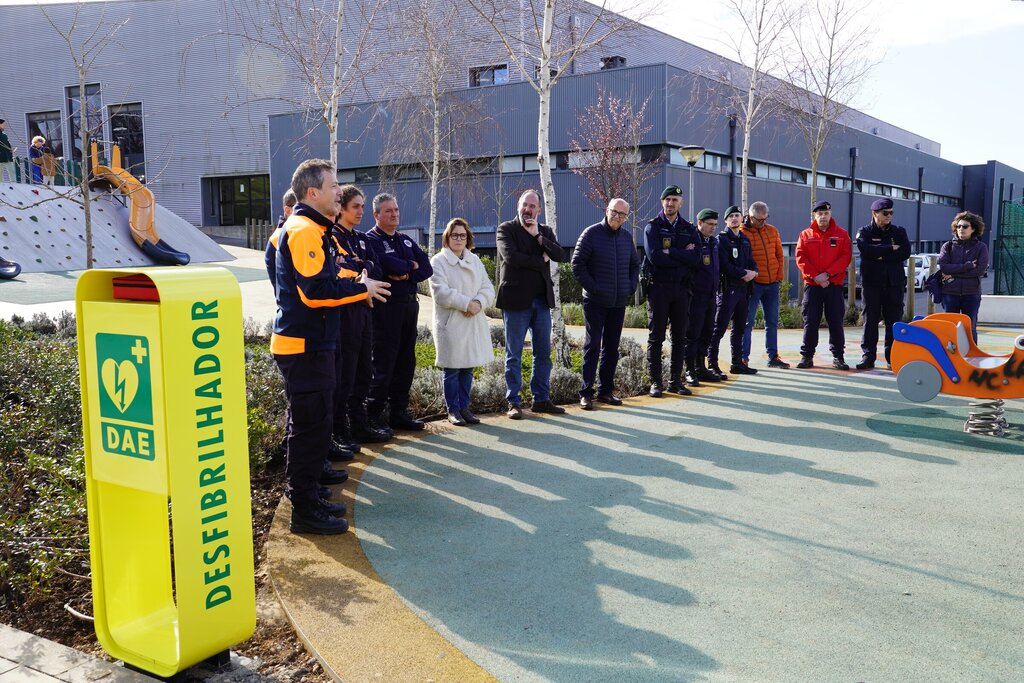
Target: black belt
x,y
403,299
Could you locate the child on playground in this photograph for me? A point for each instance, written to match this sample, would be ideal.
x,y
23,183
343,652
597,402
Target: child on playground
x,y
47,164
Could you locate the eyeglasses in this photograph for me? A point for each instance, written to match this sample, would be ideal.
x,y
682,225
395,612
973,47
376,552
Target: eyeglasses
x,y
620,214
963,226
887,212
458,236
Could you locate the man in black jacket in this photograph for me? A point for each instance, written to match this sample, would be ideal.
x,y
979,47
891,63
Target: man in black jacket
x,y
884,249
670,256
736,257
526,296
404,264
606,263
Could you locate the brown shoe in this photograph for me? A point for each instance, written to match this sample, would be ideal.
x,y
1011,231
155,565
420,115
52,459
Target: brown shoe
x,y
547,407
515,412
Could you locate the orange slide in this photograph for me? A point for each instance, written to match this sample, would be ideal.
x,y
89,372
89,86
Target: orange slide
x,y
141,211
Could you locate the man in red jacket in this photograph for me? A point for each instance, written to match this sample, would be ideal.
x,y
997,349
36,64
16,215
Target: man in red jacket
x,y
823,254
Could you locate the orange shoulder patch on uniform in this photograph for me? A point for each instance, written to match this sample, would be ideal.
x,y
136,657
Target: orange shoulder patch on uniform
x,y
305,243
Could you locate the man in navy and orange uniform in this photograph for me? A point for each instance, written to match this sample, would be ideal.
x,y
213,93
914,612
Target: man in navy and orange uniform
x,y
354,352
735,254
670,255
884,249
702,300
309,294
404,265
823,253
288,202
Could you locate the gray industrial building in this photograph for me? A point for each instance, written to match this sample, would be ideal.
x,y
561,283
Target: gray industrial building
x,y
215,122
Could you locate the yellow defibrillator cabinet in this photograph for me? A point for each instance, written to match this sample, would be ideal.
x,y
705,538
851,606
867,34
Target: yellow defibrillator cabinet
x,y
167,466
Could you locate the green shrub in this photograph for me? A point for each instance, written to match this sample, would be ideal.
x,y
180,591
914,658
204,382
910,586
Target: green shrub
x,y
426,355
570,291
572,314
491,267
636,316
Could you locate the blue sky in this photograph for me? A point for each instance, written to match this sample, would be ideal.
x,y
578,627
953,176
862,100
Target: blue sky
x,y
950,70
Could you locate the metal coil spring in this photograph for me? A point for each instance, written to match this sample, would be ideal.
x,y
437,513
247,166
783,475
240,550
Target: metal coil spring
x,y
987,417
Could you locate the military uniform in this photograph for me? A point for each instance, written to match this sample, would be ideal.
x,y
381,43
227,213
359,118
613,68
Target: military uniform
x,y
736,258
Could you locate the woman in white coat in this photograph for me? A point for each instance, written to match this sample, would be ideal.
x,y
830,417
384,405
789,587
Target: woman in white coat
x,y
461,291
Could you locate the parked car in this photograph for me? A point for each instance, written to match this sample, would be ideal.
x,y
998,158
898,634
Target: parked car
x,y
922,264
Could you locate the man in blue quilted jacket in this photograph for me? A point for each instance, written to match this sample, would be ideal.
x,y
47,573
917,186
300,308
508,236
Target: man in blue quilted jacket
x,y
606,263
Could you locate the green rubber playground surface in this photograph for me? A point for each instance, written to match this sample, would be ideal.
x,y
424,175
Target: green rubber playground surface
x,y
793,526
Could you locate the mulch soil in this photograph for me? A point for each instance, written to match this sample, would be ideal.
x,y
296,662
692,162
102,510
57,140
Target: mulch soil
x,y
275,652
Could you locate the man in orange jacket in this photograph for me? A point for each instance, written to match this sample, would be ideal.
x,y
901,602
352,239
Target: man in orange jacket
x,y
823,253
767,249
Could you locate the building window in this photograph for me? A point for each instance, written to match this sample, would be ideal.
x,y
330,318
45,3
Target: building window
x,y
47,124
496,74
93,116
126,132
241,197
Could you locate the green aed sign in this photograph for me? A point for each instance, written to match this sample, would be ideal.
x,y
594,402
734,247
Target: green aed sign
x,y
126,398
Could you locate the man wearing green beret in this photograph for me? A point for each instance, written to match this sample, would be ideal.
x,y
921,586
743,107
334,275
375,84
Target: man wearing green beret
x,y
702,300
670,257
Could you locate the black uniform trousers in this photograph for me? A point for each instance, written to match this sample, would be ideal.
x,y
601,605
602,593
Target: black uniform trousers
x,y
700,326
394,354
668,303
603,330
828,300
731,307
880,303
309,386
354,369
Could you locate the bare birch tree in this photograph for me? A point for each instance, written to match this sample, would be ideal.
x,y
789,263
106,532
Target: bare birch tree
x,y
542,49
85,45
829,64
748,91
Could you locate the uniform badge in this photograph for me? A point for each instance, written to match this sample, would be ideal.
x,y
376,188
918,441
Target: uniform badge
x,y
707,259
832,242
362,245
408,244
735,252
666,243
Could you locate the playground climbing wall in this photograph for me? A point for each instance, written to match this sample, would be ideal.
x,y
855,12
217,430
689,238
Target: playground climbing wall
x,y
43,229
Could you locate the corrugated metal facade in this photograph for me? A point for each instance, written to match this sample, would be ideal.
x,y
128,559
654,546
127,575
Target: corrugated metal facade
x,y
215,106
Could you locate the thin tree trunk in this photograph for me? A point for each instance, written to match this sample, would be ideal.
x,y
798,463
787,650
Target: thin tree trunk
x,y
435,172
83,134
332,114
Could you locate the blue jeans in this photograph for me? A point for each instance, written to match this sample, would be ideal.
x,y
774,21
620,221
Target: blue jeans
x,y
768,297
968,304
457,384
536,319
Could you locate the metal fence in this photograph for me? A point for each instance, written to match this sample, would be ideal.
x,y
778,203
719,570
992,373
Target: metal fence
x,y
69,172
257,233
1008,259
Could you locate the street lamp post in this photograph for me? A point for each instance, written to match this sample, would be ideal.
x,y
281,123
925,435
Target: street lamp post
x,y
692,154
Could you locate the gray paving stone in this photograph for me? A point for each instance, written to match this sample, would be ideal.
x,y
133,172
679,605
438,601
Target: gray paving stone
x,y
99,671
25,675
6,665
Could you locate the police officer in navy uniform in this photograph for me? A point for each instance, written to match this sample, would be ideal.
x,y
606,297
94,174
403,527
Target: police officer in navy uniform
x,y
736,259
670,256
404,265
702,300
354,349
884,249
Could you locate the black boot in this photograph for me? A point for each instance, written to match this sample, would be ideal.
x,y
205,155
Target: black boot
x,y
366,432
704,374
713,367
343,438
401,419
839,363
691,376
